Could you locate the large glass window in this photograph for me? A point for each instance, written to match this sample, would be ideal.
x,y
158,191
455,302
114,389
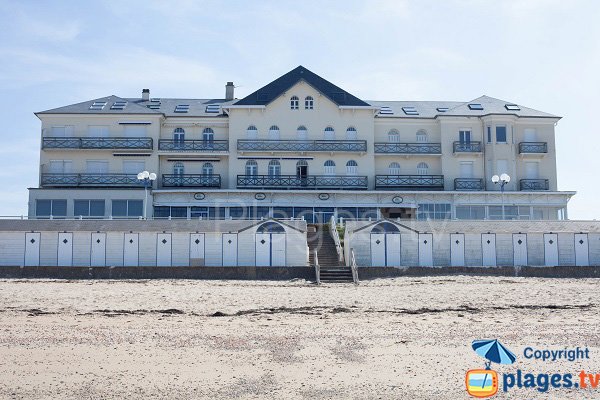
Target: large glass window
x,y
501,134
433,211
470,212
127,208
251,167
274,168
88,208
55,208
510,212
283,212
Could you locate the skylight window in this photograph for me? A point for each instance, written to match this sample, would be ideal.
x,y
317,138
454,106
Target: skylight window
x,y
512,107
98,105
442,109
155,100
385,110
119,105
182,108
475,106
212,108
154,106
410,110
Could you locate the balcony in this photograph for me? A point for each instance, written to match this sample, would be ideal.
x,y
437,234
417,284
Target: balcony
x,y
534,184
91,180
205,146
409,182
302,145
466,147
97,143
468,184
408,148
191,180
311,182
533,148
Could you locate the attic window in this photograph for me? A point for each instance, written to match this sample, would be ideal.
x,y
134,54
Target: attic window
x,y
153,106
98,105
512,107
410,110
442,109
385,110
155,100
475,106
182,108
212,108
119,105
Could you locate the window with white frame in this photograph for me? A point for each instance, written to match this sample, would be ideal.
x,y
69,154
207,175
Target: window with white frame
x,y
421,136
329,167
62,131
294,102
134,130
302,133
274,132
464,136
178,168
351,133
60,166
178,135
88,208
97,166
251,167
274,168
98,131
208,135
394,168
308,103
46,208
329,133
127,208
422,168
133,167
252,132
207,169
394,136
351,168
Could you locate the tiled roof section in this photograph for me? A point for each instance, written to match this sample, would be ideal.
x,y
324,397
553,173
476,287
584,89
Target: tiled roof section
x,y
84,108
492,105
273,90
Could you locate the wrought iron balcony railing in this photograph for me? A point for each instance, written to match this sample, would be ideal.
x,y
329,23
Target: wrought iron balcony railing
x,y
468,184
534,184
287,182
408,148
130,143
302,145
467,147
410,182
193,145
191,180
91,180
533,147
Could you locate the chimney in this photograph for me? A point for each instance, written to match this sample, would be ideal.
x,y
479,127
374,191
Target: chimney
x,y
145,94
229,91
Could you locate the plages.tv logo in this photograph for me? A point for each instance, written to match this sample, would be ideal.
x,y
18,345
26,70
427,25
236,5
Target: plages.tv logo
x,y
483,383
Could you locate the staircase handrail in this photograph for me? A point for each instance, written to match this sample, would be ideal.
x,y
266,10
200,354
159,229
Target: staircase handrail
x,y
336,238
317,269
353,267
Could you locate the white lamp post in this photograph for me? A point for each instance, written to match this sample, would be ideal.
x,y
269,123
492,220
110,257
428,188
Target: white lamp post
x,y
502,180
147,178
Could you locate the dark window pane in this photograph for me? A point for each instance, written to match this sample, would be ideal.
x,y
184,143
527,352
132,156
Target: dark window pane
x,y
283,212
96,208
237,212
501,134
59,208
262,212
160,211
364,212
178,212
136,208
347,213
217,212
81,208
43,208
119,208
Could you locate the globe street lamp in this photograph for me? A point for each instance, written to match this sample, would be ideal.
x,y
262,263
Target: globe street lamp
x,y
147,178
502,180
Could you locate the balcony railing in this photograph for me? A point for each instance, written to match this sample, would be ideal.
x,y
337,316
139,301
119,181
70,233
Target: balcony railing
x,y
534,184
193,145
467,147
191,180
287,182
408,148
302,145
533,147
410,182
91,180
129,143
468,184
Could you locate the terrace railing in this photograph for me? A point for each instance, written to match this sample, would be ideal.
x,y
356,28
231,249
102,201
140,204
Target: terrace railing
x,y
91,180
468,184
193,145
533,147
129,143
191,180
534,184
408,148
302,145
286,182
467,147
410,182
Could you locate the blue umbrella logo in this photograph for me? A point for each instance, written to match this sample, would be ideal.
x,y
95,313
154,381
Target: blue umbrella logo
x,y
493,351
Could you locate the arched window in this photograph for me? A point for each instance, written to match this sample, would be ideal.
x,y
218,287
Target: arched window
x,y
270,227
178,135
294,102
251,167
351,133
302,169
393,136
422,168
274,132
385,227
329,133
208,135
274,168
302,133
422,136
394,168
252,132
351,168
329,167
308,103
178,168
207,169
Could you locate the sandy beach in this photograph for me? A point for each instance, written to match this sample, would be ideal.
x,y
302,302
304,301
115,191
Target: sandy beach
x,y
404,338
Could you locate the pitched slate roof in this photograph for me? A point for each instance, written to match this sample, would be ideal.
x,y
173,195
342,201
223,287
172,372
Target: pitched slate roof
x,y
197,107
84,108
273,90
426,109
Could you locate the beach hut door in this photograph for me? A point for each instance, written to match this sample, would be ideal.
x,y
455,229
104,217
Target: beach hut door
x,y
392,249
65,249
196,249
263,249
582,258
278,249
550,249
131,250
425,249
163,250
32,249
98,253
457,250
230,247
520,249
488,248
378,249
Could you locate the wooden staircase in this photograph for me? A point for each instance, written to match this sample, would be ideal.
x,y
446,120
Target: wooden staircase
x,y
331,269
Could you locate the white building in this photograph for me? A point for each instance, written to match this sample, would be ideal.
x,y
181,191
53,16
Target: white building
x,y
298,147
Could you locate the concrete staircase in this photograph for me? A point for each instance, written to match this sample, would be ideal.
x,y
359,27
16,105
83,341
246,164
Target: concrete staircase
x,y
331,269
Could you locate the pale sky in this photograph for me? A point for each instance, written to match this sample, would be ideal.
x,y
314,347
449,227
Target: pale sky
x,y
543,54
